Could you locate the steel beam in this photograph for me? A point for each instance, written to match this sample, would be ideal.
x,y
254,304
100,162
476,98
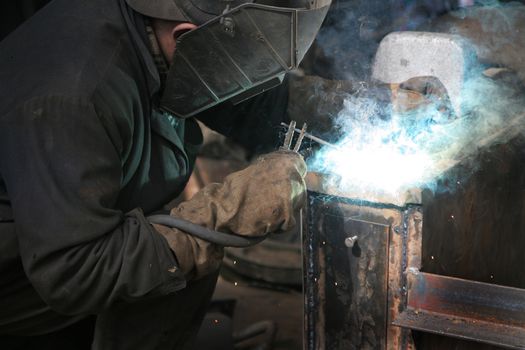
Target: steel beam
x,y
470,310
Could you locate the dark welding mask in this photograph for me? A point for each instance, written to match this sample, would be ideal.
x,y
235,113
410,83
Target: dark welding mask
x,y
240,49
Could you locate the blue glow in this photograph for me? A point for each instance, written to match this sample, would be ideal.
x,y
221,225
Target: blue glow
x,y
387,152
375,154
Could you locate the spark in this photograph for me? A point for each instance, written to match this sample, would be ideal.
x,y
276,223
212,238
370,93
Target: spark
x,y
377,165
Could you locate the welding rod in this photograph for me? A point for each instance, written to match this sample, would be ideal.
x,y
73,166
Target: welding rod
x,y
313,138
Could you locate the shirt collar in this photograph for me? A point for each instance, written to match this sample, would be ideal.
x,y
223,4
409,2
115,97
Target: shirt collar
x,y
137,30
156,52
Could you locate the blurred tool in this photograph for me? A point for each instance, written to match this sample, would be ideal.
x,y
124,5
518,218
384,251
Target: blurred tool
x,y
302,134
287,144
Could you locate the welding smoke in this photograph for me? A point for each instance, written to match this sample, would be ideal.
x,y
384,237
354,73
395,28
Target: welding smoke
x,y
349,38
496,31
387,150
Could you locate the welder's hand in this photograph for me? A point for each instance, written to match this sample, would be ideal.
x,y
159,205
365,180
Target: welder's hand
x,y
255,201
252,202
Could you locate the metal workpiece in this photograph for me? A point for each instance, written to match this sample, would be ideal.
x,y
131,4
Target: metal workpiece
x,y
404,255
446,57
354,266
329,184
364,288
474,227
465,309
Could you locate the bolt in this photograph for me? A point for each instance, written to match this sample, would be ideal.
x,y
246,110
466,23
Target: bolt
x,y
350,241
228,25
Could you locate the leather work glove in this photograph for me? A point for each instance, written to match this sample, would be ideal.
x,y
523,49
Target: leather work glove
x,y
258,200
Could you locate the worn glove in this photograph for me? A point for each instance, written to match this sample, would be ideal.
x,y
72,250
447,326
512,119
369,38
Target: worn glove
x,y
258,200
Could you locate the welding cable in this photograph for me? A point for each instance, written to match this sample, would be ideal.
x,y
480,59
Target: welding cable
x,y
219,238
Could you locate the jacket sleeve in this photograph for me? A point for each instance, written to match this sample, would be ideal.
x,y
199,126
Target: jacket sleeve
x,y
63,176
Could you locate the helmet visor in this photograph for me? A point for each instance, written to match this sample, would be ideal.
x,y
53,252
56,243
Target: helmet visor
x,y
238,55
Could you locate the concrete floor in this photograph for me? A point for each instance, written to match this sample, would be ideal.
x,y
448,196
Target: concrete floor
x,y
257,303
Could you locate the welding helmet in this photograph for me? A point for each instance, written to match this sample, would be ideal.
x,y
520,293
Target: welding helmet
x,y
240,49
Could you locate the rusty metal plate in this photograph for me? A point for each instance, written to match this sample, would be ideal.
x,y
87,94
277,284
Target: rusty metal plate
x,y
482,312
346,285
476,224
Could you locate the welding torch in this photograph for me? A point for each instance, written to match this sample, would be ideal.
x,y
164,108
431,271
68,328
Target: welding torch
x,y
302,133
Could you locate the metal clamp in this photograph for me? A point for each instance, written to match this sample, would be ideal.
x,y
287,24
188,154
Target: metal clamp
x,y
287,144
309,136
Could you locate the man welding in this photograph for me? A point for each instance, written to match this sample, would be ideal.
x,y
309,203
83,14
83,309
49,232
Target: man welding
x,y
98,131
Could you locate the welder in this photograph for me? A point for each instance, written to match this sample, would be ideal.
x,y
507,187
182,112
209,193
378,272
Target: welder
x,y
98,132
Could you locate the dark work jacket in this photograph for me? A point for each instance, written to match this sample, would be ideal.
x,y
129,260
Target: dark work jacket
x,y
84,153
